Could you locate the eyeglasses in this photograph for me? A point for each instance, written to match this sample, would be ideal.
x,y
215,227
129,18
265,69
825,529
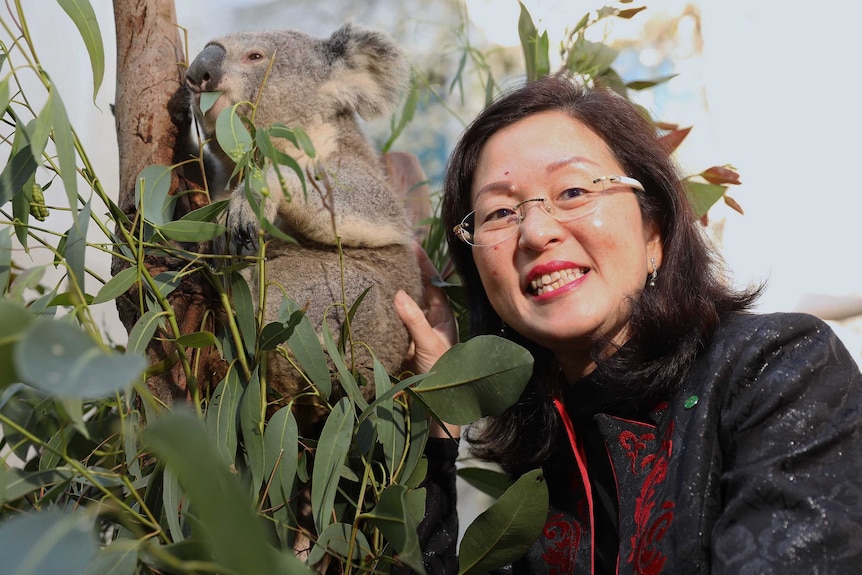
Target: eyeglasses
x,y
493,222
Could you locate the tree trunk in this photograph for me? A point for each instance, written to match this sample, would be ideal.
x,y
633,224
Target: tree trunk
x,y
150,68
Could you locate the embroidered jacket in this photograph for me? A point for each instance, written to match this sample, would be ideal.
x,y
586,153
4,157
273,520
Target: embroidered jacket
x,y
753,466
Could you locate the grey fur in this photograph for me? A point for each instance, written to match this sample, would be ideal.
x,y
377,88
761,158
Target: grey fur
x,y
321,85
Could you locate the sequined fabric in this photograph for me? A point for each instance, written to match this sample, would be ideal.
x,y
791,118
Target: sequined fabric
x,y
754,466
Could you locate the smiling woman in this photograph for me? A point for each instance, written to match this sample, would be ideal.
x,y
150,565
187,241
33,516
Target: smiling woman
x,y
670,423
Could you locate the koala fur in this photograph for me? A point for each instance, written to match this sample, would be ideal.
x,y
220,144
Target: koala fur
x,y
320,85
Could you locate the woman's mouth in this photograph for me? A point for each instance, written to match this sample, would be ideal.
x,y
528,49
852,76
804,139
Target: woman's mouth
x,y
546,283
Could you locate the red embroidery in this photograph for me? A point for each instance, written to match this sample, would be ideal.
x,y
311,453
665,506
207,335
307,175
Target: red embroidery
x,y
563,538
633,444
647,559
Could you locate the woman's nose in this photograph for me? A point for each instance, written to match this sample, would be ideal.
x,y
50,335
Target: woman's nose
x,y
537,228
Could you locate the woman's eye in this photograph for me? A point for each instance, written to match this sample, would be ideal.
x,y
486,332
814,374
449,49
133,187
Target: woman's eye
x,y
573,194
498,214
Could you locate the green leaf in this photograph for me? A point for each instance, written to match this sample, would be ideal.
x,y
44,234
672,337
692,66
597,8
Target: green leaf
x,y
348,382
167,282
172,499
231,134
505,531
117,285
234,534
304,343
392,515
331,453
82,14
646,84
703,196
56,447
42,129
197,340
5,263
243,307
152,193
191,231
118,558
47,543
281,441
222,416
207,213
60,359
17,172
488,481
19,483
535,47
335,541
75,250
14,322
208,100
64,142
481,377
142,332
251,408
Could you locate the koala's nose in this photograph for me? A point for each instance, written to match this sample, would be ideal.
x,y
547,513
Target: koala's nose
x,y
205,71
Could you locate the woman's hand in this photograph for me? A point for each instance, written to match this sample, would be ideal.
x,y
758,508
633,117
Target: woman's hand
x,y
432,329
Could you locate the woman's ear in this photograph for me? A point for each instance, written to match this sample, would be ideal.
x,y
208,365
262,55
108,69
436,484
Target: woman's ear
x,y
654,245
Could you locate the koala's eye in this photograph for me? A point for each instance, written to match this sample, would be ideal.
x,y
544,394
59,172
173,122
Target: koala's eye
x,y
253,56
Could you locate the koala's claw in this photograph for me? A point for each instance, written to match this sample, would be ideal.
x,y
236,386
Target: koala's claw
x,y
243,241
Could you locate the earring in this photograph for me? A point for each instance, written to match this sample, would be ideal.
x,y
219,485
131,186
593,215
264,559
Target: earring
x,y
654,273
503,327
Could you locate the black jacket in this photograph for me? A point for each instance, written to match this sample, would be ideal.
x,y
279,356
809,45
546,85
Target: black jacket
x,y
753,466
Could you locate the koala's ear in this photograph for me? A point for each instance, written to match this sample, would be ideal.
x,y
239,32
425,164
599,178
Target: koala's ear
x,y
369,71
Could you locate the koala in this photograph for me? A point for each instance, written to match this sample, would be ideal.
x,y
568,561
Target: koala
x,y
320,85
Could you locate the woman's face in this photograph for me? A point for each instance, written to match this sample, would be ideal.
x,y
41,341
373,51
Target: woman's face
x,y
562,285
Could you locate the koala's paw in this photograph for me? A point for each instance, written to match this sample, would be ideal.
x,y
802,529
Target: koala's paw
x,y
242,229
180,107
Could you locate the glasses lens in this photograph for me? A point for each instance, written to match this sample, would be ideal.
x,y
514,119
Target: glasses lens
x,y
496,220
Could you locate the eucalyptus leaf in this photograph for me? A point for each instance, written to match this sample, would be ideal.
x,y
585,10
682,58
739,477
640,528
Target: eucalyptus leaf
x,y
120,557
5,260
505,531
208,213
84,17
231,134
233,534
143,331
14,322
117,285
703,196
488,481
480,377
42,129
18,170
191,231
251,414
243,307
172,499
281,444
64,142
222,416
393,516
208,100
348,382
331,453
336,540
60,359
152,189
304,343
197,340
47,543
18,483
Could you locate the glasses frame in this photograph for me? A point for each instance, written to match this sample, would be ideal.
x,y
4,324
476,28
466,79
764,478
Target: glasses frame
x,y
463,233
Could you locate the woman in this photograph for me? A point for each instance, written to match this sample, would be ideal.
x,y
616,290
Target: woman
x,y
677,432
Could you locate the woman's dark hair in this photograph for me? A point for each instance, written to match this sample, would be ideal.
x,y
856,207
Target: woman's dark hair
x,y
670,322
